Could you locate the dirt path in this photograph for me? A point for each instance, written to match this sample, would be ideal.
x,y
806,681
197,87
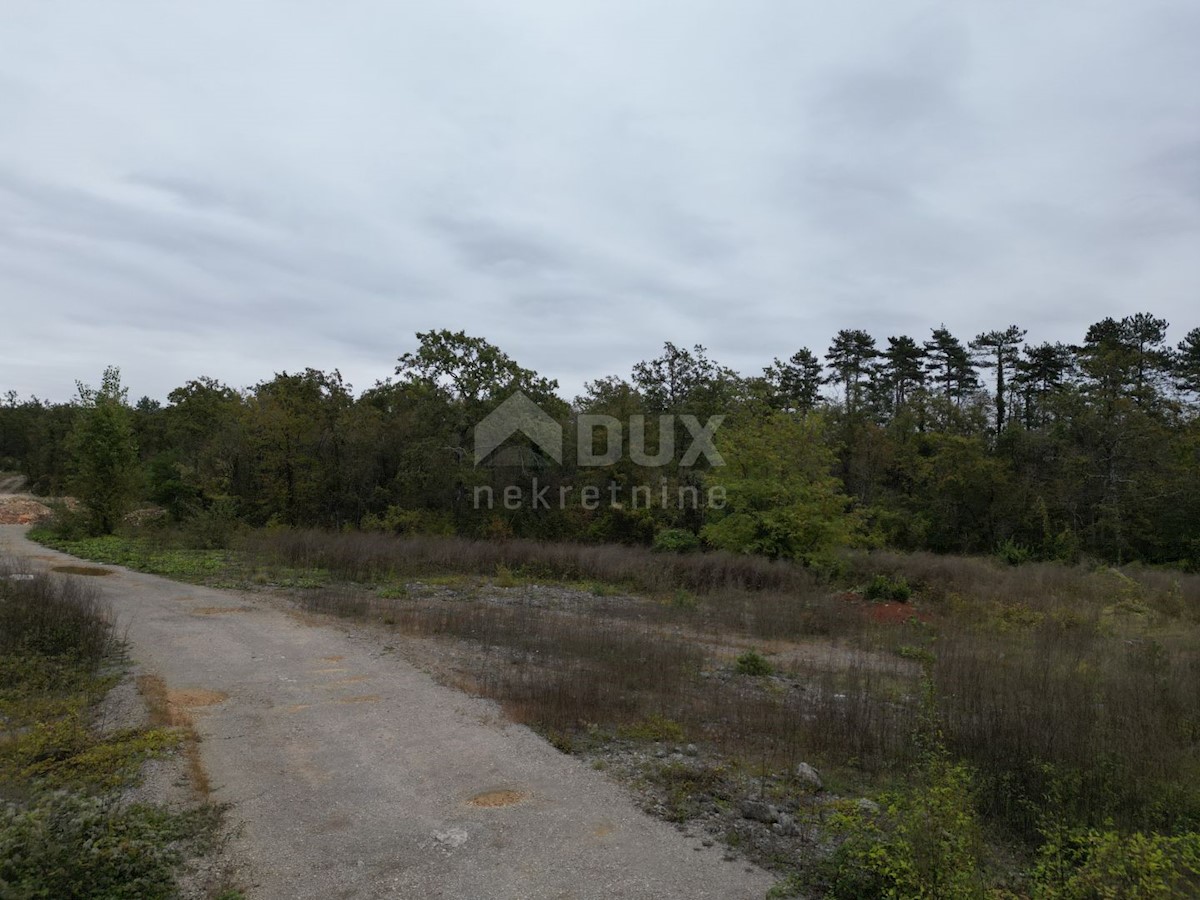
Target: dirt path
x,y
353,774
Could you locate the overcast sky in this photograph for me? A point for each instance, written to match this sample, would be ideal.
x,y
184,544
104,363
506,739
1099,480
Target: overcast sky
x,y
233,189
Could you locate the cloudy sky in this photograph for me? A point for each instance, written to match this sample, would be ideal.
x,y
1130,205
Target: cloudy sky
x,y
233,189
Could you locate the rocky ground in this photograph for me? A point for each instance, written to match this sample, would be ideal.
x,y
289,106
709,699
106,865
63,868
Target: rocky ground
x,y
17,508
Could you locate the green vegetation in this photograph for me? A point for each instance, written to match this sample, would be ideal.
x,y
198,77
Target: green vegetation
x,y
104,456
64,844
676,540
1036,671
884,588
1061,645
1068,451
753,664
653,728
64,829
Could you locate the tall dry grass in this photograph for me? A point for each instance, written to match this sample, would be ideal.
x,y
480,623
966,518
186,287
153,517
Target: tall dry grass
x,y
52,616
1083,682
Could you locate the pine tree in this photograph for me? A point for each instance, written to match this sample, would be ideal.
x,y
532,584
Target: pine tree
x,y
998,350
104,453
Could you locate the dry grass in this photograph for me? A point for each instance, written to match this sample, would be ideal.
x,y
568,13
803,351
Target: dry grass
x,y
1077,678
52,615
367,557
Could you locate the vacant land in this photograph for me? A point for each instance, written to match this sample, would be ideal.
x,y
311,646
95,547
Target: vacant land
x,y
348,772
1047,714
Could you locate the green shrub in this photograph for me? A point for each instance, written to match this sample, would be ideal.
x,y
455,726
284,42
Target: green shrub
x,y
212,527
1100,864
1013,553
676,540
66,524
653,728
883,587
752,663
67,845
684,599
924,843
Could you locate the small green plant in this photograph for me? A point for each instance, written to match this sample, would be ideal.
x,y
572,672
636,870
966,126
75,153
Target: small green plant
x,y
883,587
1083,864
684,599
505,577
676,540
69,845
684,787
653,728
1013,553
925,843
396,590
754,664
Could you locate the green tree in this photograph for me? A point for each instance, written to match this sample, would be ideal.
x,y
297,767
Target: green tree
x,y
998,350
902,370
851,356
297,442
685,381
205,452
1042,372
950,364
794,385
104,454
1187,363
782,500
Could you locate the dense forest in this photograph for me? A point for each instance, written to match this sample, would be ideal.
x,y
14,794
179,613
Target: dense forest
x,y
994,444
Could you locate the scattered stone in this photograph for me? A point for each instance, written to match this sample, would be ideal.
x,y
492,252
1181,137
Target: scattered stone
x,y
786,826
16,510
706,842
867,807
758,811
691,750
808,775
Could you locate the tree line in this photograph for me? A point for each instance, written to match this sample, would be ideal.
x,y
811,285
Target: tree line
x,y
992,444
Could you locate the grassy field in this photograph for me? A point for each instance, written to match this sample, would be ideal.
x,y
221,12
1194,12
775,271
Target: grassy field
x,y
1044,719
66,829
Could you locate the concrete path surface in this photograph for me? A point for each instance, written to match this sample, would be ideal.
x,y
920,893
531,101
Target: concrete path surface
x,y
353,774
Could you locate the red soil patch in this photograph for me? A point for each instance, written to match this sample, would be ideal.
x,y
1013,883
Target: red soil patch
x,y
889,613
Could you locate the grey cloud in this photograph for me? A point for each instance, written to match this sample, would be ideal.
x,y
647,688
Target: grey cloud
x,y
580,182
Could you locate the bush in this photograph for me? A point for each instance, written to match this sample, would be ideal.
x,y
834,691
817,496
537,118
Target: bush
x,y
52,616
753,664
213,526
925,843
1102,864
68,524
676,540
883,587
1013,553
65,845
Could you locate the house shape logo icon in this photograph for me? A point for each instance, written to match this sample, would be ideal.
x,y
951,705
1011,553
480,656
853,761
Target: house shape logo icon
x,y
518,415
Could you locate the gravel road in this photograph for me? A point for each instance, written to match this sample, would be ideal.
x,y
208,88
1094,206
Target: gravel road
x,y
353,774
